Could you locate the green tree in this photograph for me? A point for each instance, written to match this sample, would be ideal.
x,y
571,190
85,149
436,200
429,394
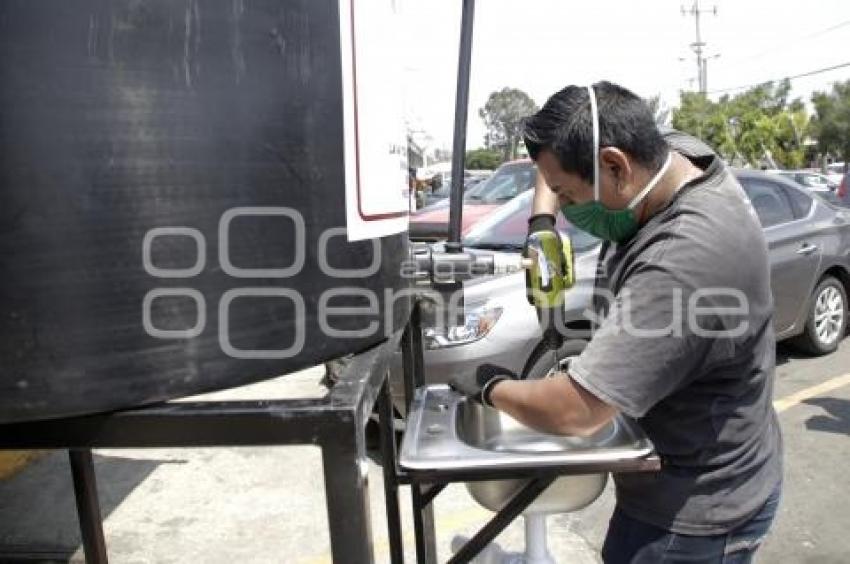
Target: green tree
x,y
759,126
482,159
793,126
831,123
693,114
503,114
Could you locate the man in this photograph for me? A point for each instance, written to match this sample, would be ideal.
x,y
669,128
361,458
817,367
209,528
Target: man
x,y
685,346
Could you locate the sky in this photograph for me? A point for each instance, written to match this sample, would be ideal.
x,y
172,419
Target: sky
x,y
540,46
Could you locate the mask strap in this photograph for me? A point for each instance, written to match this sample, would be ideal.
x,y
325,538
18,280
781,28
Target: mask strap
x,y
637,199
594,116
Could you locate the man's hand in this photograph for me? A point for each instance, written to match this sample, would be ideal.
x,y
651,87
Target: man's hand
x,y
479,385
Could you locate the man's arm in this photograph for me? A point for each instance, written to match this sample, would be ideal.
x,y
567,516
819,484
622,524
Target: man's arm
x,y
555,405
545,200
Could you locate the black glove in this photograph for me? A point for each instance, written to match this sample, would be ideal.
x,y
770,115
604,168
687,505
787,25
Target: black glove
x,y
478,386
536,224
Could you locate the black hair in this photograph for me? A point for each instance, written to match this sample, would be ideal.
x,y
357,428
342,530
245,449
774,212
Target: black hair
x,y
565,127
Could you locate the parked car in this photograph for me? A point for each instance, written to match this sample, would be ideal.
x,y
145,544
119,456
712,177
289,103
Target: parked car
x,y
814,181
431,223
809,245
444,191
835,171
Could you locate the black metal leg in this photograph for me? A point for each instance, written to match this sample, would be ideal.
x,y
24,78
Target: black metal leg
x,y
501,520
411,356
423,511
347,499
423,524
88,506
388,459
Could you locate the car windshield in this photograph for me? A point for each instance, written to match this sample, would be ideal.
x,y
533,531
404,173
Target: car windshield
x,y
445,190
508,181
507,227
472,193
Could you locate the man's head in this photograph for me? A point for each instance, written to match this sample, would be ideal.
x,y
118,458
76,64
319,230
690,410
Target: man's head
x,y
559,139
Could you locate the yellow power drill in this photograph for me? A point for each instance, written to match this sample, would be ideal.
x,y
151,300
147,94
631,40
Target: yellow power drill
x,y
550,271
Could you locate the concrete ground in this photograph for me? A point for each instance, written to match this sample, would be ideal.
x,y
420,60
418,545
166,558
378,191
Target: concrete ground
x,y
267,504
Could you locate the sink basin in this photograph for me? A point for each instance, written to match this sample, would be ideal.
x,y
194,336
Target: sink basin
x,y
489,429
451,439
568,493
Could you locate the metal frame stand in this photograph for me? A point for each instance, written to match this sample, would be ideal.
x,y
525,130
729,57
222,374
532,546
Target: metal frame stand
x,y
427,485
425,488
336,423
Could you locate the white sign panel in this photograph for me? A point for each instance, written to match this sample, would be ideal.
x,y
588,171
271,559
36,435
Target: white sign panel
x,y
376,189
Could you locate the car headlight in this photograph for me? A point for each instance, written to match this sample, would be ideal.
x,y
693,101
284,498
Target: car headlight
x,y
478,322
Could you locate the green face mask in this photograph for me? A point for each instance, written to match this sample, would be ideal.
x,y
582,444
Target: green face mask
x,y
595,218
599,221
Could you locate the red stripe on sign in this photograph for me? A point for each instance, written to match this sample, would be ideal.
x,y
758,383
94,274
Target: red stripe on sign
x,y
363,215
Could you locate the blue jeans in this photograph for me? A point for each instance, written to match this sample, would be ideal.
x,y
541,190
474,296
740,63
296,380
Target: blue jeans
x,y
633,542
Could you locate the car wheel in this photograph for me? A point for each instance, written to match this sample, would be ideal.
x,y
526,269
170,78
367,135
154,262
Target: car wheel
x,y
546,364
827,320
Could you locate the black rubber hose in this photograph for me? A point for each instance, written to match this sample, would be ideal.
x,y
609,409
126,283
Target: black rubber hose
x,y
551,321
537,353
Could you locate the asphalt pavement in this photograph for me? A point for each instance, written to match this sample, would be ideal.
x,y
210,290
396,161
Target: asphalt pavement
x,y
267,504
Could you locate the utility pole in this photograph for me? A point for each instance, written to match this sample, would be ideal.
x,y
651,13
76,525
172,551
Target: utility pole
x,y
698,46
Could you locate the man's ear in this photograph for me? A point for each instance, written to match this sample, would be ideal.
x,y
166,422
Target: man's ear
x,y
615,162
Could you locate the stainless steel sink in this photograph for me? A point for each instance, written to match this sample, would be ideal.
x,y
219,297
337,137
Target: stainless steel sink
x,y
490,429
446,433
493,430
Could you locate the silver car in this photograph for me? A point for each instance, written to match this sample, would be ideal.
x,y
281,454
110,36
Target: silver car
x,y
809,243
814,181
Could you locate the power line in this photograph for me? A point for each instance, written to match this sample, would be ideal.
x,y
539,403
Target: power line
x,y
792,42
801,75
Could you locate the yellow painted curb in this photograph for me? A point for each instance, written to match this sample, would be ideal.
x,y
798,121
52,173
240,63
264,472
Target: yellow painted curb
x,y
13,461
799,397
